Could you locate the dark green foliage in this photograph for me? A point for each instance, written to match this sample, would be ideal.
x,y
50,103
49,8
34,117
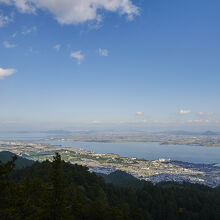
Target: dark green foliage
x,y
121,178
56,190
59,190
5,169
6,156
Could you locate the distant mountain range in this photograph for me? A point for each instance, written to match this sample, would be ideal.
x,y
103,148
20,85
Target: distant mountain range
x,y
57,132
208,133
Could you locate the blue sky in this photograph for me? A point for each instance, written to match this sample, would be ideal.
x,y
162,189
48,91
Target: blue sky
x,y
147,63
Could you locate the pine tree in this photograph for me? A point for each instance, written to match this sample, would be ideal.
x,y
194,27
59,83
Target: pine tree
x,y
5,170
56,187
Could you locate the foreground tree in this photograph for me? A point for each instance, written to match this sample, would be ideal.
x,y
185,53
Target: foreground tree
x,y
5,185
56,189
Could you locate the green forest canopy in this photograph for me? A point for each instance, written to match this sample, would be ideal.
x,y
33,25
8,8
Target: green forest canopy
x,y
59,190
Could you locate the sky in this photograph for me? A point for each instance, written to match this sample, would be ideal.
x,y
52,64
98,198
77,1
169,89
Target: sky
x,y
110,62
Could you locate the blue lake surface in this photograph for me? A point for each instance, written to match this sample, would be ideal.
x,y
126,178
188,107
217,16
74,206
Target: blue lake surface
x,y
150,150
146,150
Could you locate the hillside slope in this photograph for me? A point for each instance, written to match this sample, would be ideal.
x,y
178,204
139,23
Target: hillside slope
x,y
20,162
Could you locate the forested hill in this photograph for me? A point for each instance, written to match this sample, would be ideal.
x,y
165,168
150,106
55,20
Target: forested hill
x,y
122,179
58,190
20,162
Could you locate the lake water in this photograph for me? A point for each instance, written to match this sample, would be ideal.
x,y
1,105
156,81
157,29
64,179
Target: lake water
x,y
150,150
146,150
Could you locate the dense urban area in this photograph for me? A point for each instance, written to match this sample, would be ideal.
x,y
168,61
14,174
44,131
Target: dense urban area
x,y
155,171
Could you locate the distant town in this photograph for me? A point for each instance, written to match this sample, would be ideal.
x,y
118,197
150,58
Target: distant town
x,y
155,171
207,138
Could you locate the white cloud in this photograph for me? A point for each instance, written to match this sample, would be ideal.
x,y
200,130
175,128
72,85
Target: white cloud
x,y
205,113
14,35
31,50
57,47
78,56
6,72
185,112
103,52
96,122
24,6
139,113
198,121
29,30
76,11
4,19
8,45
5,1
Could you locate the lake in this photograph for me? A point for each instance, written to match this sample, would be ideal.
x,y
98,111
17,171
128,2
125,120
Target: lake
x,y
149,150
146,150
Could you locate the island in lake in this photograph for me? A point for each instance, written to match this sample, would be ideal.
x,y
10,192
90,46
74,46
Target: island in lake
x,y
207,138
